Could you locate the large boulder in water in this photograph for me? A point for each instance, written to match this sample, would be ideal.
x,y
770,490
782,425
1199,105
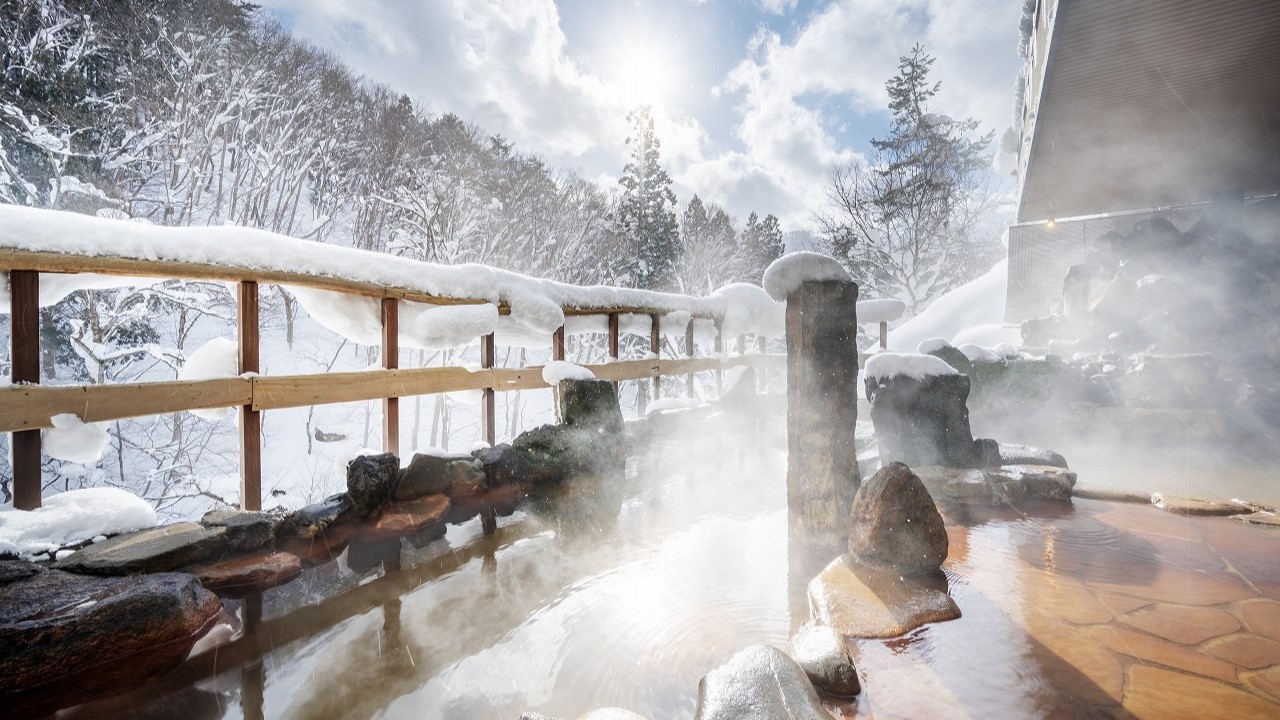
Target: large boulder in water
x,y
919,412
895,523
759,682
427,474
591,404
371,481
65,637
824,655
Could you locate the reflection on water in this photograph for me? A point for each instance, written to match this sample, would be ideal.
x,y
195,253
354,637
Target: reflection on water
x,y
1063,609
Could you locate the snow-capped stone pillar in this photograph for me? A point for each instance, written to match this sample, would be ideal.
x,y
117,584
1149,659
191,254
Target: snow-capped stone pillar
x,y
250,419
822,395
24,353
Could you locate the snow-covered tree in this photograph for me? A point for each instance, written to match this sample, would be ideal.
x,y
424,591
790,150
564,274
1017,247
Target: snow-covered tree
x,y
907,221
707,249
759,245
646,213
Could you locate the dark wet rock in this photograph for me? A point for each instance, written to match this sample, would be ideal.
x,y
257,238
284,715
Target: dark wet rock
x,y
503,501
895,523
955,358
245,531
371,481
314,519
590,404
825,657
65,636
957,485
861,601
15,570
157,549
988,452
320,531
426,475
553,453
1014,454
247,574
501,465
922,421
758,682
467,484
1041,481
406,518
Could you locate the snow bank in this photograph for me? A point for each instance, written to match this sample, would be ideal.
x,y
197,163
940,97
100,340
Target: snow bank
x,y
72,517
977,353
972,313
786,274
72,440
878,311
888,364
215,359
748,308
557,370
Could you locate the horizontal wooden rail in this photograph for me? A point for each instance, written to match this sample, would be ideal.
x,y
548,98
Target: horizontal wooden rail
x,y
29,407
51,262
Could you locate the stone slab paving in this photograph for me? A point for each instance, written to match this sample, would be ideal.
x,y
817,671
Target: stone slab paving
x,y
1107,609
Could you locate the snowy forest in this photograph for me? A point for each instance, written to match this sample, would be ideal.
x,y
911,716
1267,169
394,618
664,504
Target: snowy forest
x,y
206,112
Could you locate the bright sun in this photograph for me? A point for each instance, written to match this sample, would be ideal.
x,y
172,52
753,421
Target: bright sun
x,y
644,72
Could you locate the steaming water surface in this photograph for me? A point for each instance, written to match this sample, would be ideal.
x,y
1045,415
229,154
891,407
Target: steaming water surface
x,y
631,607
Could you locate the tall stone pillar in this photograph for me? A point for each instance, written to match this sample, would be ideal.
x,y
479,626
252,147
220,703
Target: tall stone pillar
x,y
822,409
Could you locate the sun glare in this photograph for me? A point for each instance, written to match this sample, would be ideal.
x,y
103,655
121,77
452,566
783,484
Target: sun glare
x,y
644,72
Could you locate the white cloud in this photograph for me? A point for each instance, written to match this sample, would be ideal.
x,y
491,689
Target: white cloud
x,y
506,65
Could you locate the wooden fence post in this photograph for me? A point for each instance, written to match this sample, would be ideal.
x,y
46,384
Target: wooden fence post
x,y
250,419
655,347
719,351
613,335
884,335
24,353
487,410
688,351
557,344
391,361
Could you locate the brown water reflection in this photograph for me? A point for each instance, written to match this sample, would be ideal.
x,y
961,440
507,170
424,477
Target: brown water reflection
x,y
1068,611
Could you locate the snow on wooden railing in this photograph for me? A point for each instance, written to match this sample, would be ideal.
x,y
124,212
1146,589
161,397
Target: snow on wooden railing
x,y
35,242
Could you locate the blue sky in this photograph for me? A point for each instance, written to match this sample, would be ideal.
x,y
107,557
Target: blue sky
x,y
754,100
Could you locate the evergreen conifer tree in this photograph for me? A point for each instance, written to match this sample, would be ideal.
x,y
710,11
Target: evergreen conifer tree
x,y
646,215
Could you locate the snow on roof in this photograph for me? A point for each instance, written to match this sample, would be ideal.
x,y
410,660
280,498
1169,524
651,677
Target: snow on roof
x,y
71,517
535,303
878,311
786,274
887,365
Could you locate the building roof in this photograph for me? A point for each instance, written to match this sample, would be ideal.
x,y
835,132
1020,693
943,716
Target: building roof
x,y
1151,103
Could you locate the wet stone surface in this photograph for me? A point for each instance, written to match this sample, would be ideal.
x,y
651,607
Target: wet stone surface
x,y
70,635
158,549
824,656
759,681
858,601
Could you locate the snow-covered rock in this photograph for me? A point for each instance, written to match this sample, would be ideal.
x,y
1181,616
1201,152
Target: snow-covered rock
x,y
558,370
887,365
72,517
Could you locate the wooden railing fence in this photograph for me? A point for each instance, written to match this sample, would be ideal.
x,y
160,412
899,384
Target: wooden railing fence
x,y
26,406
